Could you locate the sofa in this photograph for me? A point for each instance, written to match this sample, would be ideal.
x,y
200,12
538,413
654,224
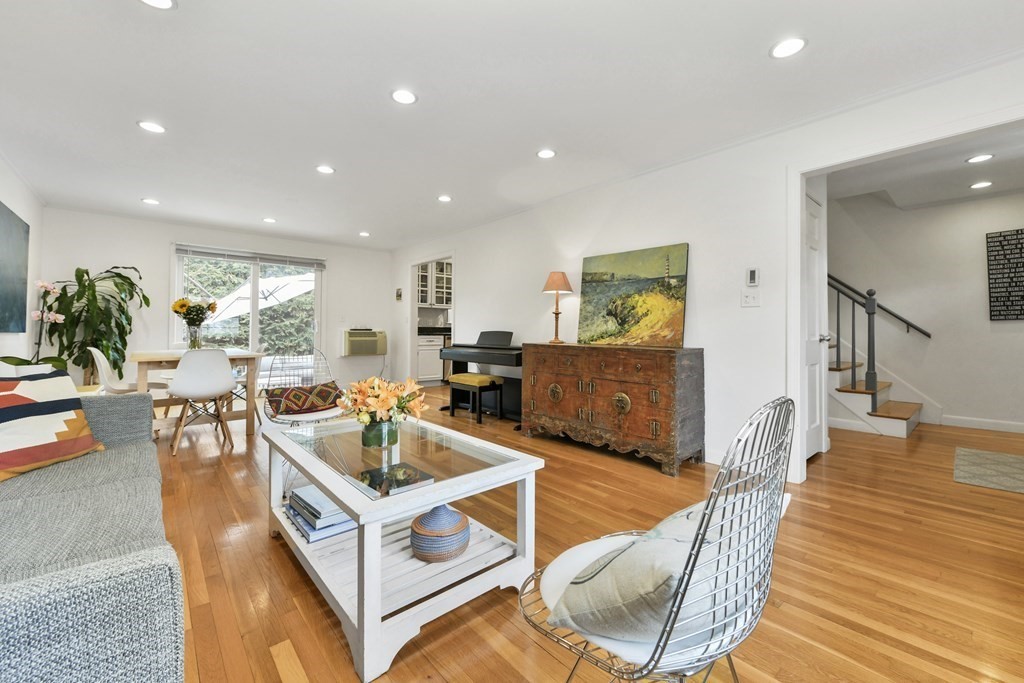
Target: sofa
x,y
90,589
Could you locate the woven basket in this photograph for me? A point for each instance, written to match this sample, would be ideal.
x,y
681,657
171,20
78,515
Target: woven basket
x,y
439,535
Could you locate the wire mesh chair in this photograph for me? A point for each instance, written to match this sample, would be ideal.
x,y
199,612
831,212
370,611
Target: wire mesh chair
x,y
299,371
731,554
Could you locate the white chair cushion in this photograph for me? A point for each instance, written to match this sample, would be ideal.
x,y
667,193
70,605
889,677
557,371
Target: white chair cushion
x,y
626,594
616,591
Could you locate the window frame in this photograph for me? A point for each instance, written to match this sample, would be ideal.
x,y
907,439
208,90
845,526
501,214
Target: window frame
x,y
179,252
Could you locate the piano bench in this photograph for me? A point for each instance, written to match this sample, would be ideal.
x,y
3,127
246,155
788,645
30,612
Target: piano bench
x,y
476,384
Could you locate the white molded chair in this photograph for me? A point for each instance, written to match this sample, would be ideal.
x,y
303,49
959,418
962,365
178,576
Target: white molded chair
x,y
109,379
299,371
732,549
202,378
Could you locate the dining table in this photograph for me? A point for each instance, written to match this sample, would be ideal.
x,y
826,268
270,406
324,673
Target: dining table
x,y
168,359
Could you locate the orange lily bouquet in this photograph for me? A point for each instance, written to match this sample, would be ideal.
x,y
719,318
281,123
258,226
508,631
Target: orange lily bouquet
x,y
378,400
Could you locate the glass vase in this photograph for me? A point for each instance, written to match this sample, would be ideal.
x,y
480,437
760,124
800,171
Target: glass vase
x,y
195,336
383,436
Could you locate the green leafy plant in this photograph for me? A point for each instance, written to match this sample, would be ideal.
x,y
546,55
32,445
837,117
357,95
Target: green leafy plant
x,y
96,311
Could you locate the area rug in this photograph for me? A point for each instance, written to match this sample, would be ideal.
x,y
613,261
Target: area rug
x,y
992,470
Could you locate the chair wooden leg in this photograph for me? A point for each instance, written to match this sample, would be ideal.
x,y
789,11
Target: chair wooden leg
x,y
501,414
223,423
451,400
479,406
179,428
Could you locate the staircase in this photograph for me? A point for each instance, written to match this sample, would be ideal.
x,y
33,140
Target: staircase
x,y
856,386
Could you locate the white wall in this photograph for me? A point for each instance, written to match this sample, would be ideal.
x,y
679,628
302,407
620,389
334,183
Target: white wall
x,y
930,266
739,207
353,295
17,197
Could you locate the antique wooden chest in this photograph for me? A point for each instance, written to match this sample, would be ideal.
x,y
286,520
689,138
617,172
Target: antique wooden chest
x,y
629,398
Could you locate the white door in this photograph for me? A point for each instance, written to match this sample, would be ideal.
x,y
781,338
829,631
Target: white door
x,y
814,328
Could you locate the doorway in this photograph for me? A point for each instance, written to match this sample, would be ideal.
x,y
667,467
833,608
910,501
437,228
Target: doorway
x,y
432,304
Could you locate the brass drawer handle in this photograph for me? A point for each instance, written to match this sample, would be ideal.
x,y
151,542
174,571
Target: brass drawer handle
x,y
639,367
655,429
621,403
655,395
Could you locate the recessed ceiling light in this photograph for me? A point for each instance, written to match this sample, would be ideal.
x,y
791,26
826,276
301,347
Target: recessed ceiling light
x,y
788,47
152,127
151,202
980,158
364,234
444,198
403,97
162,4
546,153
325,169
269,220
981,185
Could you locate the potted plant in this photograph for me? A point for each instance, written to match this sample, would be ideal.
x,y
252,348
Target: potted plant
x,y
96,311
43,316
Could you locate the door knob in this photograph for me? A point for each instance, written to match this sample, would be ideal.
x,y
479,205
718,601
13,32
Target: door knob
x,y
824,338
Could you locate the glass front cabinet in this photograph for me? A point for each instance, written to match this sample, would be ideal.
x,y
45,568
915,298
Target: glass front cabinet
x,y
434,284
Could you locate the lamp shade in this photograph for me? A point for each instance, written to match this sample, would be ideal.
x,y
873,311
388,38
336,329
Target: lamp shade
x,y
557,282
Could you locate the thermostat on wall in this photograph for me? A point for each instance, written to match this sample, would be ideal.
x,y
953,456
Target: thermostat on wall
x,y
753,277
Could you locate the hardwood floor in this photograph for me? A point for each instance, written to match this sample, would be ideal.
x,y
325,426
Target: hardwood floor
x,y
886,569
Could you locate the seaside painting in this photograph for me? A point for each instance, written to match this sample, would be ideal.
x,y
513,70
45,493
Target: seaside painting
x,y
634,298
13,271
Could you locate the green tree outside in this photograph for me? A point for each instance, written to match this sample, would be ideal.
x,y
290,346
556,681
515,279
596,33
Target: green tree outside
x,y
286,328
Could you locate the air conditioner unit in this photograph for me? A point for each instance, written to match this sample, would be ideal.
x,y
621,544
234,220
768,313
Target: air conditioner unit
x,y
364,343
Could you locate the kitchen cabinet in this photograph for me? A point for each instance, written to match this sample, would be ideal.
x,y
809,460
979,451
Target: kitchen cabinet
x,y
642,399
428,353
434,284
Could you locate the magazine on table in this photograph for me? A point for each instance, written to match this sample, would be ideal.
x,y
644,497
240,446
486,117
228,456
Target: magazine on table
x,y
317,508
313,535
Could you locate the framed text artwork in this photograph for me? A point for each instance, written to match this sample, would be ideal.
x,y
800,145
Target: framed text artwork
x,y
13,271
1005,274
634,298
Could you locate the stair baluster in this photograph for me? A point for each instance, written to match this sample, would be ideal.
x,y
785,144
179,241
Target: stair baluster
x,y
853,344
839,337
870,376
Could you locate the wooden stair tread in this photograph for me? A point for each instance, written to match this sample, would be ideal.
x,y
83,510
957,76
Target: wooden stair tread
x,y
842,367
860,389
898,410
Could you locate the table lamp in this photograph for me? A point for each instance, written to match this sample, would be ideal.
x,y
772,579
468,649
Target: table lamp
x,y
559,284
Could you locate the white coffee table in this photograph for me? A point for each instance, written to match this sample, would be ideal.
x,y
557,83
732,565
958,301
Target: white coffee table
x,y
380,592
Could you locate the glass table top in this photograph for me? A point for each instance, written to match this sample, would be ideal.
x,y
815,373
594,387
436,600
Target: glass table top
x,y
422,456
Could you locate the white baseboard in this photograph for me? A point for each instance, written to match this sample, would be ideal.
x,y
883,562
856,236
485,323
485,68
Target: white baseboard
x,y
852,425
982,423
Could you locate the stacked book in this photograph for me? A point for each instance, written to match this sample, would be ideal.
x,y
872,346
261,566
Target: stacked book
x,y
315,515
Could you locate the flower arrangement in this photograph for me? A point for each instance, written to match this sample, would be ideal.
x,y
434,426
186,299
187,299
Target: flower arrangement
x,y
194,313
377,400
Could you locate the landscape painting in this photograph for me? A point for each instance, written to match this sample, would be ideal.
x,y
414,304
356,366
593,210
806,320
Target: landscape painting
x,y
635,298
13,271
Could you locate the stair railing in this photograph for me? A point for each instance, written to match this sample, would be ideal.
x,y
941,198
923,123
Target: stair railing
x,y
869,303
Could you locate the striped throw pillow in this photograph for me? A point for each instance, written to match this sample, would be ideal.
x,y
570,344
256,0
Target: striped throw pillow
x,y
41,421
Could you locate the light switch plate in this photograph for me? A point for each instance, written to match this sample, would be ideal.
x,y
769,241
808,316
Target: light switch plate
x,y
750,298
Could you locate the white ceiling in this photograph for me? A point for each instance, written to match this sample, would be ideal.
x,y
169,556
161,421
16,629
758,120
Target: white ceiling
x,y
256,93
940,174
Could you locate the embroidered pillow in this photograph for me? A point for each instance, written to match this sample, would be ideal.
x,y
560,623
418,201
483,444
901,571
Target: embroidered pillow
x,y
300,400
41,421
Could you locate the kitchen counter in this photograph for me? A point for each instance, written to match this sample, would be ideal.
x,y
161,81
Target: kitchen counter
x,y
447,331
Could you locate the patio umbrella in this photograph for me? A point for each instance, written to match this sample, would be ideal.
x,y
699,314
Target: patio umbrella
x,y
272,291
